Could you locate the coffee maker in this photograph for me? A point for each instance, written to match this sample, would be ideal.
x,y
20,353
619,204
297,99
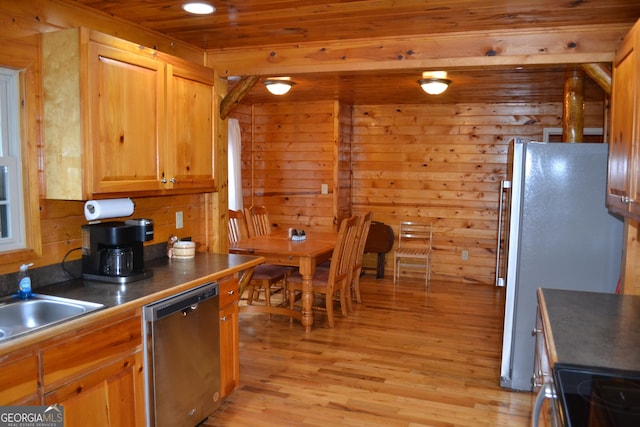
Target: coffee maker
x,y
114,251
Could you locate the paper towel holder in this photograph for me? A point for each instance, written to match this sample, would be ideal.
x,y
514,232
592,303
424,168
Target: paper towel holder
x,y
95,210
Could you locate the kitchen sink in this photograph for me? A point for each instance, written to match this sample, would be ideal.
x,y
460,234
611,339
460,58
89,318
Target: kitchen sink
x,y
20,316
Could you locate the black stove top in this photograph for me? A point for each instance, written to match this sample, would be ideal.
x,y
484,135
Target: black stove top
x,y
598,397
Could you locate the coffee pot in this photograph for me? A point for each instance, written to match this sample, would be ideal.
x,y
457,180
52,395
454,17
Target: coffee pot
x,y
114,251
116,261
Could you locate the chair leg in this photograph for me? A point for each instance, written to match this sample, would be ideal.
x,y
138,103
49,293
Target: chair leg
x,y
356,288
329,305
267,294
395,269
345,301
426,275
251,289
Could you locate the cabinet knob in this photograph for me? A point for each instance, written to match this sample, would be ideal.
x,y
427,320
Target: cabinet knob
x,y
173,180
163,180
231,292
535,331
224,318
627,199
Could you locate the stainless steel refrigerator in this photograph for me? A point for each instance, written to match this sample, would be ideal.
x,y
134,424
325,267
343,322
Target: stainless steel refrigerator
x,y
555,232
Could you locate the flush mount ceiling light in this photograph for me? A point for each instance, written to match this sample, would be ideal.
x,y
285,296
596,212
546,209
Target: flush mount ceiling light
x,y
278,85
198,8
434,82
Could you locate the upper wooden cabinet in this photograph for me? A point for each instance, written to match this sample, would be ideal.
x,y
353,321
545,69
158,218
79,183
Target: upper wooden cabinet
x,y
624,145
121,118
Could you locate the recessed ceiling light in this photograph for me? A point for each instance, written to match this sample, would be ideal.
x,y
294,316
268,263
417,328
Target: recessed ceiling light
x,y
199,8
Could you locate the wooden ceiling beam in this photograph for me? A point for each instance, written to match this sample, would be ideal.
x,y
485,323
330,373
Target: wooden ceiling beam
x,y
236,94
600,74
563,45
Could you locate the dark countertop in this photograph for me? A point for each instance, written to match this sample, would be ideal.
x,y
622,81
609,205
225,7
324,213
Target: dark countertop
x,y
170,277
592,329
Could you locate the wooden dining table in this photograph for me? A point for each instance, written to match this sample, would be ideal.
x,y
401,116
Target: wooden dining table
x,y
277,248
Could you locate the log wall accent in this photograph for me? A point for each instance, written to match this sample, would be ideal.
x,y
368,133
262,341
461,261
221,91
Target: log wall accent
x,y
342,177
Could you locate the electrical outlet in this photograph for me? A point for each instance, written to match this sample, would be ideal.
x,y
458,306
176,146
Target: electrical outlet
x,y
324,188
179,220
465,255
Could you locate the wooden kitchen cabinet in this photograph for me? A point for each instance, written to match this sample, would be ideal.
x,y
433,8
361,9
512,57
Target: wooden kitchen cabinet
x,y
97,373
19,373
624,144
190,105
121,118
229,336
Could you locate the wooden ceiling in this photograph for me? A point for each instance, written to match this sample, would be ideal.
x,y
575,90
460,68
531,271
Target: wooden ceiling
x,y
263,23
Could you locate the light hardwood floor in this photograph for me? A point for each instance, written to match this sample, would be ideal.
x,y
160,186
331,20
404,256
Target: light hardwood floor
x,y
404,357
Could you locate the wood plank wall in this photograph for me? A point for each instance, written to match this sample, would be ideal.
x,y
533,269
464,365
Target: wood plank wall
x,y
288,151
61,222
439,163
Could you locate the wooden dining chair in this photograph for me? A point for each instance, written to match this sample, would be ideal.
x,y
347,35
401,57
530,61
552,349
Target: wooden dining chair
x,y
238,229
267,278
414,244
258,221
363,232
334,282
364,223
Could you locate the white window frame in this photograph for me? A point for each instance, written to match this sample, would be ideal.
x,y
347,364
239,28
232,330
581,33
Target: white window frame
x,y
11,159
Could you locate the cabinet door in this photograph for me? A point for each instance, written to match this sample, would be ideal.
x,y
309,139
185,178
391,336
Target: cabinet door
x,y
127,101
229,350
190,103
96,373
622,184
19,373
105,397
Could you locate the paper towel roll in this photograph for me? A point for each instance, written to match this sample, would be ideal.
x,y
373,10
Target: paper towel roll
x,y
111,208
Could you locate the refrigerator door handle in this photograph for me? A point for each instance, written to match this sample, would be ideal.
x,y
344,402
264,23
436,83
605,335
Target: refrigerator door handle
x,y
505,186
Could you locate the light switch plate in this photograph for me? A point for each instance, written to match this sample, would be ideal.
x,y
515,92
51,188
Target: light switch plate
x,y
324,189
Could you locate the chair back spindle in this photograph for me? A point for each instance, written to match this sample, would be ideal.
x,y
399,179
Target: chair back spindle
x,y
258,221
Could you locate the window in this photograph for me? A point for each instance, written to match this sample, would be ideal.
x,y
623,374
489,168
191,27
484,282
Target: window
x,y
12,234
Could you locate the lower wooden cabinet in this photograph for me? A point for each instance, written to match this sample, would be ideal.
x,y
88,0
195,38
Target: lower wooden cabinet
x,y
19,373
229,337
96,371
105,397
97,374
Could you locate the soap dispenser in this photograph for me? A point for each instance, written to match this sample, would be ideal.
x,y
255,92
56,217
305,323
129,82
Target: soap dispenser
x,y
24,282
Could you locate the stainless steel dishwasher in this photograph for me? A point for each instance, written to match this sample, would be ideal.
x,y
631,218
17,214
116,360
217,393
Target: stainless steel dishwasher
x,y
182,357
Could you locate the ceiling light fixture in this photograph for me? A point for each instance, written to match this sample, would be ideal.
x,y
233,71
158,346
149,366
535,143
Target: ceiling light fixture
x,y
434,82
278,85
199,8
